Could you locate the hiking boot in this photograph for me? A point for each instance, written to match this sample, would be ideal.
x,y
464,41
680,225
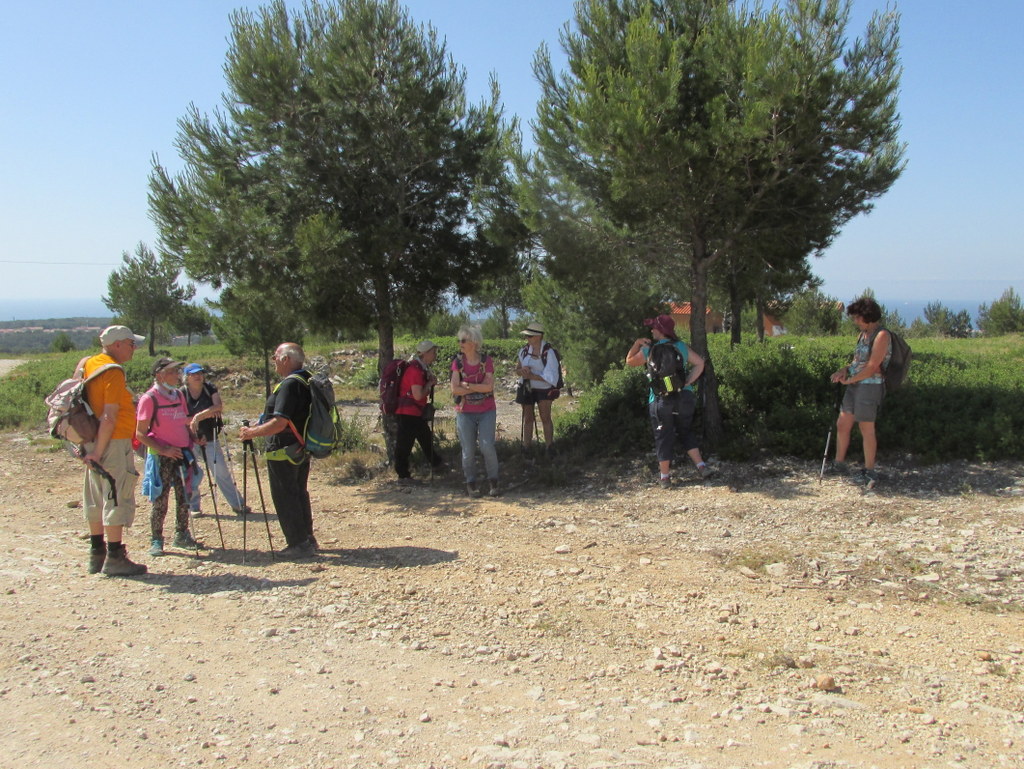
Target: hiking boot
x,y
96,559
304,550
186,540
243,510
705,471
408,481
472,489
157,548
870,478
665,483
121,565
492,488
837,468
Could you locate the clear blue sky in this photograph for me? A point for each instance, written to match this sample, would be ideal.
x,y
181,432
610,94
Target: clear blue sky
x,y
92,90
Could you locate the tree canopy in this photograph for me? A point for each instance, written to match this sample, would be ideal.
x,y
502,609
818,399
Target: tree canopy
x,y
144,292
345,176
698,129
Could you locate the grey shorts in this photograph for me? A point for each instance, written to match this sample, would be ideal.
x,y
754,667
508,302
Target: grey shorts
x,y
863,400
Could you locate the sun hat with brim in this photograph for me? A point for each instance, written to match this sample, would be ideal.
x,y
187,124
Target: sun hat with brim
x,y
425,346
113,334
533,329
662,323
163,364
194,368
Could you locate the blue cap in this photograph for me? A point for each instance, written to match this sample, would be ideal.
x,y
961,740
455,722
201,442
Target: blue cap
x,y
194,368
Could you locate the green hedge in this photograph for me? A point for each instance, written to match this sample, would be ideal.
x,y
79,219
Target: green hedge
x,y
962,399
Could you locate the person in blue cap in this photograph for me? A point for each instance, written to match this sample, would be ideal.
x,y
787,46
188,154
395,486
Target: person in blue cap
x,y
204,409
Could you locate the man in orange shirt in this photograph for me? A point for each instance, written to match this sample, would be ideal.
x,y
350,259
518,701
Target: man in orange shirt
x,y
111,401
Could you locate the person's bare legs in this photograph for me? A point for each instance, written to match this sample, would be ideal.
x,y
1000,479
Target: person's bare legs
x,y
867,434
544,407
843,427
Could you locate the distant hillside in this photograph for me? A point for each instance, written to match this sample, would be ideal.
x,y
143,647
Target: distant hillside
x,y
24,336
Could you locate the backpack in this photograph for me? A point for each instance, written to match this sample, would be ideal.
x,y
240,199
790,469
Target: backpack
x,y
322,432
208,428
666,369
70,417
544,361
895,372
390,379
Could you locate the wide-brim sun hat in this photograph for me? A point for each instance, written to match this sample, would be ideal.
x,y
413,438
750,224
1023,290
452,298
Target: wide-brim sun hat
x,y
533,329
163,364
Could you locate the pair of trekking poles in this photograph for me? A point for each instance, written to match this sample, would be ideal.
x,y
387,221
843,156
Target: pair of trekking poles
x,y
248,451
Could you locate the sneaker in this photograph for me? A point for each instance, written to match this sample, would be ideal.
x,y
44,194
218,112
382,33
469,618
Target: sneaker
x,y
492,488
243,510
472,489
96,559
407,481
304,550
121,565
705,471
665,483
157,548
870,478
186,540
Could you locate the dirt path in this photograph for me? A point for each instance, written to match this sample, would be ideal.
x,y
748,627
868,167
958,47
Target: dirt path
x,y
8,365
759,620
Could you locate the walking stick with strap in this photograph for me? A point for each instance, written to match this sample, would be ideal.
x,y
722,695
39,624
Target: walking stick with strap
x,y
184,491
245,489
259,487
213,495
831,427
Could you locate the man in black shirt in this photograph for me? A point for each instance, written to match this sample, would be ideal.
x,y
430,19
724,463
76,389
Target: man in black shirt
x,y
282,423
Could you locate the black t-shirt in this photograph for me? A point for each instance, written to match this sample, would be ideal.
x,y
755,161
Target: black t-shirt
x,y
210,425
292,400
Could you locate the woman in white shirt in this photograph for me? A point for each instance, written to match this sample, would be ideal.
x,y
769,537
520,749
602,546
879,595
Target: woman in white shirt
x,y
539,373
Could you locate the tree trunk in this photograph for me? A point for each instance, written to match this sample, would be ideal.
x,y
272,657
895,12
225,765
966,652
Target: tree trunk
x,y
713,431
760,321
736,308
152,337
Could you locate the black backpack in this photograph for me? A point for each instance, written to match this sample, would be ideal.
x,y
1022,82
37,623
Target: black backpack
x,y
895,373
666,369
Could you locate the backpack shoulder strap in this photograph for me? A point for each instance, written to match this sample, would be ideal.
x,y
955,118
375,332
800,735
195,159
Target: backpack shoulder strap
x,y
102,370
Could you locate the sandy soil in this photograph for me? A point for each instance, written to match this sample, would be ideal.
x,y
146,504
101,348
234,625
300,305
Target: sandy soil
x,y
758,620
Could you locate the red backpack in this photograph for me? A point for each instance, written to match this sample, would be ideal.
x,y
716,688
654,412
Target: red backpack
x,y
390,379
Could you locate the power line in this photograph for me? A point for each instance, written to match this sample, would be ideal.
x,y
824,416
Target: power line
x,y
74,264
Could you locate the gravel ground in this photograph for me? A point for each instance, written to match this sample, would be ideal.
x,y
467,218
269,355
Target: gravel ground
x,y
760,619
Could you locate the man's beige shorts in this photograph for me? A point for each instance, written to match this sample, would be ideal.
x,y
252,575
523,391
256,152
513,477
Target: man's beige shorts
x,y
119,461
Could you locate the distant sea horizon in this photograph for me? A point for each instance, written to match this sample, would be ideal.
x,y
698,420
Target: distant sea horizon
x,y
43,309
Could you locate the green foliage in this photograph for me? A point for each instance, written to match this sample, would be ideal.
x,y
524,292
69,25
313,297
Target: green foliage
x,y
348,176
813,313
1003,316
62,343
610,418
145,294
776,397
939,320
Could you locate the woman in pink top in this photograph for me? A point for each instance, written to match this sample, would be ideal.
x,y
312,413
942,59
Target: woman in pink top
x,y
476,412
163,428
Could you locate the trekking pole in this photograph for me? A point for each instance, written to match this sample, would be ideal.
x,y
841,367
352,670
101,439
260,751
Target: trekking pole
x,y
213,495
259,488
245,489
831,426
